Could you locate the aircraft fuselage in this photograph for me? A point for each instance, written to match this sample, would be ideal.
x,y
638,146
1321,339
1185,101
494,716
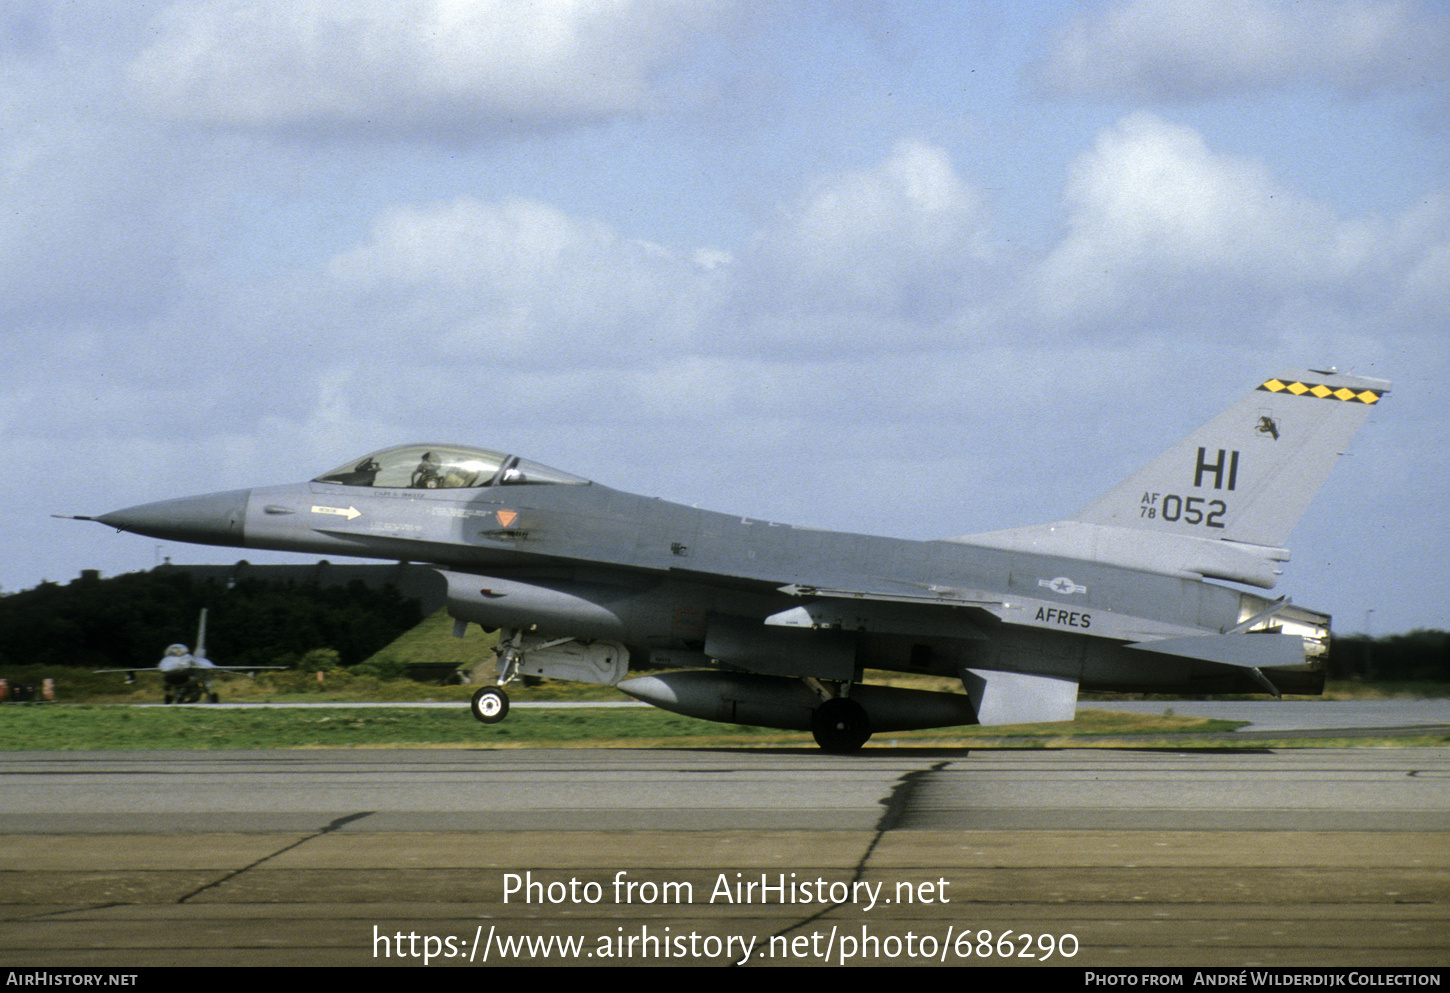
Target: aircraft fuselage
x,y
587,561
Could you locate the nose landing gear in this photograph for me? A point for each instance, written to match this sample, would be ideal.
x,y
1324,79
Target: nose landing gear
x,y
490,704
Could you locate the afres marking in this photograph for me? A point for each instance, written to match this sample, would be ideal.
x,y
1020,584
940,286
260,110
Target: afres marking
x,y
1064,618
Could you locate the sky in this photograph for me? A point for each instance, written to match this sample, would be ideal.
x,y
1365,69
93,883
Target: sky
x,y
914,269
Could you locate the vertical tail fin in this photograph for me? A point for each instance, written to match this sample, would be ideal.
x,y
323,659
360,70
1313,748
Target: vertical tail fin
x,y
200,650
1247,475
1220,503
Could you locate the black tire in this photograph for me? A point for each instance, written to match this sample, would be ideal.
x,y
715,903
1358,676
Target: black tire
x,y
840,725
490,705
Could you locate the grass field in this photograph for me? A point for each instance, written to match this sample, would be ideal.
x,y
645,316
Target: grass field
x,y
50,727
89,726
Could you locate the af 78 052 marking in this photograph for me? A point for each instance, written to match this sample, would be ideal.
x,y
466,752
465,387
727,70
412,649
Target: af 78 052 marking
x,y
1189,510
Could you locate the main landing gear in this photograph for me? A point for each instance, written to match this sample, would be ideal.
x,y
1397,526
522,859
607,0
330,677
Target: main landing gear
x,y
840,725
190,692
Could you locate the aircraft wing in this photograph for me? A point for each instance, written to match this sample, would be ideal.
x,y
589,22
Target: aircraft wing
x,y
242,668
198,668
932,611
970,614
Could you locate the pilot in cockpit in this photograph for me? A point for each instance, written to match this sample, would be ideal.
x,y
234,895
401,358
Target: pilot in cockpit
x,y
434,467
428,475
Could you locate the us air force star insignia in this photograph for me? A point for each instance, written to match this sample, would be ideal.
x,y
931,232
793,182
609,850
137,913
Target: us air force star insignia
x,y
1062,585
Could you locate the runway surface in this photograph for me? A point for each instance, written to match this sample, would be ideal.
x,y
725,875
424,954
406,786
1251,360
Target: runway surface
x,y
895,856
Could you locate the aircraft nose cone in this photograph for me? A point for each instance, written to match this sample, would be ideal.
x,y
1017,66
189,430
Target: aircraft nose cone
x,y
213,519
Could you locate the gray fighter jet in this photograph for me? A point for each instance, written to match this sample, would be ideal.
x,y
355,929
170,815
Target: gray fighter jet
x,y
767,624
187,676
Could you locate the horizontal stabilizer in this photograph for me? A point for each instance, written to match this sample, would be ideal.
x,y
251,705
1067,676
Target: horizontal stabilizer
x,y
1247,651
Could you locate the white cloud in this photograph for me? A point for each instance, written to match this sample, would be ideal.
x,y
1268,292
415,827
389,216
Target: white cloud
x,y
391,65
903,235
513,280
1185,49
1155,216
1426,283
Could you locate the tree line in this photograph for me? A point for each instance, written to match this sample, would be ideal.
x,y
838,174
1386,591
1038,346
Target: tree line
x,y
1422,655
128,620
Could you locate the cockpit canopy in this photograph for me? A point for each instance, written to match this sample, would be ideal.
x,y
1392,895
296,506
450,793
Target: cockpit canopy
x,y
431,467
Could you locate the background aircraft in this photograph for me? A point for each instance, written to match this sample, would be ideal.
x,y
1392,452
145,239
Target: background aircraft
x,y
187,677
776,625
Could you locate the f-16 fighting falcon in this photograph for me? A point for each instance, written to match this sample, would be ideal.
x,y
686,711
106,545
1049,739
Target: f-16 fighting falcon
x,y
187,677
1149,588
